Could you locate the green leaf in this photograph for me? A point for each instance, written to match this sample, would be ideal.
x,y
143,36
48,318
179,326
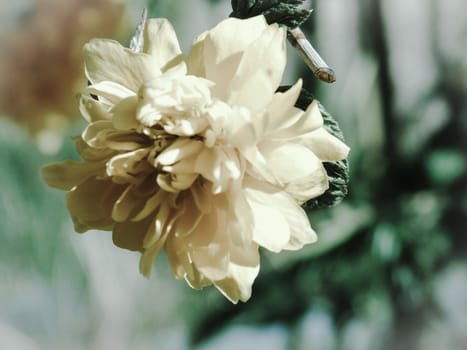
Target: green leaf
x,y
338,172
288,13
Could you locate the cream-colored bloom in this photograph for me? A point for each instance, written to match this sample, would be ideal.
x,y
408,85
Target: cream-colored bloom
x,y
197,156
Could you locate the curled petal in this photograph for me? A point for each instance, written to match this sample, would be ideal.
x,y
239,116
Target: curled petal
x,y
152,204
129,203
91,135
181,150
129,165
102,134
165,226
175,183
156,238
93,110
148,256
237,284
159,226
327,147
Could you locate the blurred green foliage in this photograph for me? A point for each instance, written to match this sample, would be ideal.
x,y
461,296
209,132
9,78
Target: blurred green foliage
x,y
32,216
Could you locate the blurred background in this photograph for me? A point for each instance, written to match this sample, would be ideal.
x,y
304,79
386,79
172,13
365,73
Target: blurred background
x,y
390,269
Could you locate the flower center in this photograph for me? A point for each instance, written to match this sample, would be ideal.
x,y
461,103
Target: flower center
x,y
190,133
176,104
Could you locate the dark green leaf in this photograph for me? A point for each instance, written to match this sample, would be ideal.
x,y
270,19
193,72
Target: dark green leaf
x,y
288,13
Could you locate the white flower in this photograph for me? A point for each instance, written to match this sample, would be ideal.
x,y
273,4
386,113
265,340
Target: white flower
x,y
197,156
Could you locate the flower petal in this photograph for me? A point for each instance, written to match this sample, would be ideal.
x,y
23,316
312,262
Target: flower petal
x,y
260,71
190,218
327,147
209,246
202,197
129,235
103,135
278,220
246,60
127,167
160,41
180,150
91,154
237,285
124,114
281,112
219,166
69,173
298,169
151,205
91,134
271,229
212,260
230,37
107,60
303,123
129,203
93,110
204,233
195,60
90,204
109,91
181,263
156,237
